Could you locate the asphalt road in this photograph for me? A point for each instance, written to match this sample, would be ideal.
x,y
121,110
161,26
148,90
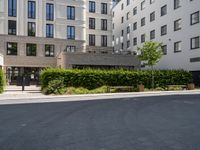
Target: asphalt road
x,y
149,123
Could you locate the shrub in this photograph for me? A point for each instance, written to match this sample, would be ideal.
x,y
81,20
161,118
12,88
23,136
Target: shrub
x,y
55,86
2,81
92,79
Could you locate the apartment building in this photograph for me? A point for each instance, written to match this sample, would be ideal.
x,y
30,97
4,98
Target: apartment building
x,y
175,23
35,34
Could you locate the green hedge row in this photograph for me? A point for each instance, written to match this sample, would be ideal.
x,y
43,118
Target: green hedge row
x,y
2,81
91,79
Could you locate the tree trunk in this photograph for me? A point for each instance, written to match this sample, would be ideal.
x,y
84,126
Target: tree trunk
x,y
152,80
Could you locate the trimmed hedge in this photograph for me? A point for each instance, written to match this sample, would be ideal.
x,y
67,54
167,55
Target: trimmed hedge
x,y
92,79
2,81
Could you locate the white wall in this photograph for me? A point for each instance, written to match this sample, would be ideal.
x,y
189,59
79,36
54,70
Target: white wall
x,y
172,60
1,60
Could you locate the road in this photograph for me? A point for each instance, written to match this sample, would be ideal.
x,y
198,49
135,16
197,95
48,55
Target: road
x,y
144,123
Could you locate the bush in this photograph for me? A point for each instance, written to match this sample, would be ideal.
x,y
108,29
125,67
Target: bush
x,y
2,81
55,86
92,79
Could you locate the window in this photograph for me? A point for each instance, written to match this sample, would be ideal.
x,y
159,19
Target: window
x,y
122,46
164,10
164,49
128,44
134,26
70,12
134,11
122,6
49,12
164,30
71,32
91,40
127,2
128,29
70,49
134,41
128,15
177,4
142,22
122,33
49,50
177,25
103,24
31,49
12,27
104,8
12,8
195,59
152,16
177,46
142,5
152,1
31,9
142,38
194,18
49,30
152,35
195,42
122,20
91,23
11,48
92,6
104,40
31,29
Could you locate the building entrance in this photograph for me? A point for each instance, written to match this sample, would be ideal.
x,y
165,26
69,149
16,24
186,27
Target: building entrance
x,y
14,75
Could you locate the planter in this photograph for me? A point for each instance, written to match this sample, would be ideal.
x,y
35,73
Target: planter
x,y
141,88
190,86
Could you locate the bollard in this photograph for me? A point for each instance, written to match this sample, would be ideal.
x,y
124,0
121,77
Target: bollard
x,y
23,83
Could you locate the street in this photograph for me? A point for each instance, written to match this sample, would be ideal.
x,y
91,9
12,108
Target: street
x,y
140,123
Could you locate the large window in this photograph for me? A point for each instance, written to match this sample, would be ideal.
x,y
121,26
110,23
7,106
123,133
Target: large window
x,y
70,12
31,9
103,24
11,48
177,46
134,10
142,38
31,49
49,50
49,30
92,6
152,16
164,30
177,4
135,41
70,49
194,18
12,8
12,27
164,10
104,8
104,40
142,22
142,5
134,26
49,12
91,39
31,29
195,42
91,23
152,35
177,25
71,32
164,49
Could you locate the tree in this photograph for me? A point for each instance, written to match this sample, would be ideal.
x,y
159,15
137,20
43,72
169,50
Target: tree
x,y
150,53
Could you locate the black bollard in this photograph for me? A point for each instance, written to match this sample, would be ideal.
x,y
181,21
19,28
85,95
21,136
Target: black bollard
x,y
23,83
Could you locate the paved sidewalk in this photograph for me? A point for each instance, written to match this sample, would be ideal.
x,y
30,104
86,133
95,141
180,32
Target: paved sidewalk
x,y
33,95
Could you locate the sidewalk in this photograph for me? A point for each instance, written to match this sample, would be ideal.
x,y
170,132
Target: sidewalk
x,y
33,95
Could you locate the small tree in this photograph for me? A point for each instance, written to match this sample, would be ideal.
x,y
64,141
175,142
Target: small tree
x,y
150,53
